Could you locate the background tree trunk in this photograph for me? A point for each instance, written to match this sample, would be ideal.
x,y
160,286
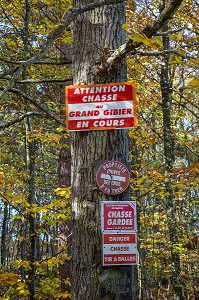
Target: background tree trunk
x,y
92,32
64,238
4,234
179,289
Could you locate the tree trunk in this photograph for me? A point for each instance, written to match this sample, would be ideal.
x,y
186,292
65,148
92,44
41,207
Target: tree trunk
x,y
64,171
4,234
64,238
32,221
92,33
179,293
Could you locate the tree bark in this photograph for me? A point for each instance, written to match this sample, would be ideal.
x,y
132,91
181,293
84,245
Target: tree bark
x,y
179,290
64,238
32,221
93,32
4,234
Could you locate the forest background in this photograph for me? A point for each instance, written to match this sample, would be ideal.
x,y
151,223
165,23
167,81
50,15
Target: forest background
x,y
35,148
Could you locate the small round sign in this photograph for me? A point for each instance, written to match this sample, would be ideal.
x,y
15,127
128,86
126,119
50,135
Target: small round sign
x,y
113,177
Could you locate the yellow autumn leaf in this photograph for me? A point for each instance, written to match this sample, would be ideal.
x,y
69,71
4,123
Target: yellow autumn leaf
x,y
21,238
64,192
125,26
140,180
194,82
8,279
61,129
1,176
45,210
66,295
24,292
66,281
179,36
141,38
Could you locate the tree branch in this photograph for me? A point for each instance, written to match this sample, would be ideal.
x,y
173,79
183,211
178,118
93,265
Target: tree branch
x,y
41,106
48,62
149,31
168,32
19,119
69,78
162,52
12,80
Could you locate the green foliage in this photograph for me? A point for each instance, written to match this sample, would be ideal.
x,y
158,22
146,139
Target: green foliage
x,y
50,206
149,175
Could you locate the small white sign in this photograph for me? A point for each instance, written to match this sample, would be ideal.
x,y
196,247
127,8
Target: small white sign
x,y
119,249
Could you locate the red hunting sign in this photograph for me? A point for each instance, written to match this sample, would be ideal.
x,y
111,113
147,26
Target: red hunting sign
x,y
113,177
118,216
100,106
119,249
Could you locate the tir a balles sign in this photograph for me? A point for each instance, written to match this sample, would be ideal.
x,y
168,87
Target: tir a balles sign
x,y
100,106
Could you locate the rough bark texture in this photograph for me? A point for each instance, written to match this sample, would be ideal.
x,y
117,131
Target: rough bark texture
x,y
93,31
32,221
64,171
4,234
179,290
64,239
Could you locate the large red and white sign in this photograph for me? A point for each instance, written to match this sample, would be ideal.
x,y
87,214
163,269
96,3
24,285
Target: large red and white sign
x,y
113,177
100,106
119,249
117,216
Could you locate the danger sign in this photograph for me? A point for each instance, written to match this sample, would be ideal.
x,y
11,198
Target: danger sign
x,y
100,106
117,216
113,177
119,249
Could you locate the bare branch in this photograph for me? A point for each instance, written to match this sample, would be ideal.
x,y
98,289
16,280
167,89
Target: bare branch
x,y
47,62
70,78
12,80
41,106
168,32
162,52
19,119
163,18
184,106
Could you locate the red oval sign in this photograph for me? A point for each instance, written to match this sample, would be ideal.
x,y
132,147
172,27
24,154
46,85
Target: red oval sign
x,y
113,177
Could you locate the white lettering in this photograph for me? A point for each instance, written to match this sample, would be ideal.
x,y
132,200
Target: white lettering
x,y
100,89
82,124
108,123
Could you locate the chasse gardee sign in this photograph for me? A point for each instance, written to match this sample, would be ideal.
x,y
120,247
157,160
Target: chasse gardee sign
x,y
100,106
